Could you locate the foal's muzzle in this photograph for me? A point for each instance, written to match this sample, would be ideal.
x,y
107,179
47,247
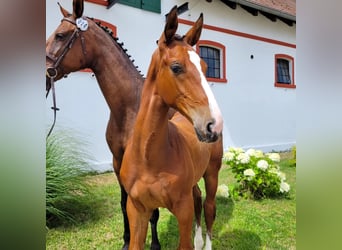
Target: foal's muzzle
x,y
206,134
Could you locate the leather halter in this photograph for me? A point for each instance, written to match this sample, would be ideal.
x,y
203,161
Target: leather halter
x,y
51,72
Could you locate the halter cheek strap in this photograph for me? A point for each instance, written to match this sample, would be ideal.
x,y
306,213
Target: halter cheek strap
x,y
51,72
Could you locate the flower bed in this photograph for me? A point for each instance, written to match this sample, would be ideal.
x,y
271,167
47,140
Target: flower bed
x,y
257,174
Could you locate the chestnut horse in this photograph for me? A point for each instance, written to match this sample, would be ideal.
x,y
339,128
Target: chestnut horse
x,y
165,159
86,44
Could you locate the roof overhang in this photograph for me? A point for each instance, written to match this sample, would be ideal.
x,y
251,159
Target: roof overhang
x,y
254,8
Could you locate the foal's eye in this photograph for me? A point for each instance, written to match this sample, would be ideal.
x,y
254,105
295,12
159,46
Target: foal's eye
x,y
60,36
177,68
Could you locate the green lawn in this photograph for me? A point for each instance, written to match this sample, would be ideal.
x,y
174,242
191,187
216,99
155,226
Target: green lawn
x,y
243,224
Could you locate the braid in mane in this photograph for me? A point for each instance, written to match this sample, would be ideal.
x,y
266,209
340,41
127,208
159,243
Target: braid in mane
x,y
116,40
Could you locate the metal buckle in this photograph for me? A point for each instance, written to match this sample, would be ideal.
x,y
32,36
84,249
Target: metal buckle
x,y
51,72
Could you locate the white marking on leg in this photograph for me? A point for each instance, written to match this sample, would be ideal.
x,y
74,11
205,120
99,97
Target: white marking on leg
x,y
207,242
214,108
198,241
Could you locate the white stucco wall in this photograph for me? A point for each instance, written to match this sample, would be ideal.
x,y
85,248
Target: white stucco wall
x,y
256,114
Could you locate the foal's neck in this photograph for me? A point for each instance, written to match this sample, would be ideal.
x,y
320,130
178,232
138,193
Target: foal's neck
x,y
151,134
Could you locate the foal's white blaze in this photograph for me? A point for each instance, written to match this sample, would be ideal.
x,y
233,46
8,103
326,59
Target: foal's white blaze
x,y
198,241
214,108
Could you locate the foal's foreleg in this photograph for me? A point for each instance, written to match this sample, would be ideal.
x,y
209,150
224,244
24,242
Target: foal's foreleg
x,y
211,182
184,212
138,224
198,240
155,245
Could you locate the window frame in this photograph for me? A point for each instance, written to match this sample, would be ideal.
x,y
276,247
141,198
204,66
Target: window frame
x,y
290,59
222,49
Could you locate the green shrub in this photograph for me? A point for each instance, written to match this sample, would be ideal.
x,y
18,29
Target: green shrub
x,y
257,174
293,161
67,193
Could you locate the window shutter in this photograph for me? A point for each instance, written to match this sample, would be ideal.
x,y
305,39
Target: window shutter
x,y
151,5
133,3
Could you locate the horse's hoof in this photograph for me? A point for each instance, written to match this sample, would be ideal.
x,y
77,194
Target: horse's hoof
x,y
155,247
125,246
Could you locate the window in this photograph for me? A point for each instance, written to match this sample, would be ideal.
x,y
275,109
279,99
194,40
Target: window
x,y
214,55
150,5
284,71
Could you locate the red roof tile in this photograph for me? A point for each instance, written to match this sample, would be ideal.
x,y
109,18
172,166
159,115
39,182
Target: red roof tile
x,y
283,6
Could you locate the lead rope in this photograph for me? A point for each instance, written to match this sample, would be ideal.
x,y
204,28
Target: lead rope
x,y
52,73
54,108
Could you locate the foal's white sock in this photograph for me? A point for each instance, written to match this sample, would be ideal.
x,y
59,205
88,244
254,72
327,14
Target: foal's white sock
x,y
198,241
207,243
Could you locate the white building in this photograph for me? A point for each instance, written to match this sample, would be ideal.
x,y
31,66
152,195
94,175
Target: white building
x,y
252,41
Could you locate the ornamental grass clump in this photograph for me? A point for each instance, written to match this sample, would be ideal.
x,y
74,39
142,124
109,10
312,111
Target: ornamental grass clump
x,y
257,174
68,195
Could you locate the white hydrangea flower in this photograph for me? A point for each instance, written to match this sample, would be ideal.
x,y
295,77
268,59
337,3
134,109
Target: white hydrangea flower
x,y
273,170
262,164
275,157
284,187
236,150
223,190
243,158
249,172
251,152
258,154
228,156
281,176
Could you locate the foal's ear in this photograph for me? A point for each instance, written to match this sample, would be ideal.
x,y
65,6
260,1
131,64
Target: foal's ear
x,y
193,35
65,13
77,8
171,25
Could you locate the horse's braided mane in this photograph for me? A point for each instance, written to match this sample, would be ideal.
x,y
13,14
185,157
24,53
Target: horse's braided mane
x,y
116,40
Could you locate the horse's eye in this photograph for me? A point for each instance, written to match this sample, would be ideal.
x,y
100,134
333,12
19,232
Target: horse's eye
x,y
60,36
177,68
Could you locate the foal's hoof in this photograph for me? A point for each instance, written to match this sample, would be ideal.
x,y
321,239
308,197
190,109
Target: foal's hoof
x,y
125,246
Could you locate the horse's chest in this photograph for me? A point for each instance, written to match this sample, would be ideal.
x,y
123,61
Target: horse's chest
x,y
155,191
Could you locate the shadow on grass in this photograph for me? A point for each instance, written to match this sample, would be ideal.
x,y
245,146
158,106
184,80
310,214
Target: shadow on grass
x,y
84,209
223,237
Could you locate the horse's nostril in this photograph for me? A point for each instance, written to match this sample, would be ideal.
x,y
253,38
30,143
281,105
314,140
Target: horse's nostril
x,y
210,126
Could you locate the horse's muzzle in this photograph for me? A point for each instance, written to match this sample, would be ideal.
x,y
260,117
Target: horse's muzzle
x,y
207,134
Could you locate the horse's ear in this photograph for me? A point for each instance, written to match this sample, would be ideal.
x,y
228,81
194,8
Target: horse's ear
x,y
171,24
77,8
193,35
65,13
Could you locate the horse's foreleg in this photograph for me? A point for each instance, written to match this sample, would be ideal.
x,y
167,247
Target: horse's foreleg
x,y
210,206
184,212
198,240
138,224
126,235
155,245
